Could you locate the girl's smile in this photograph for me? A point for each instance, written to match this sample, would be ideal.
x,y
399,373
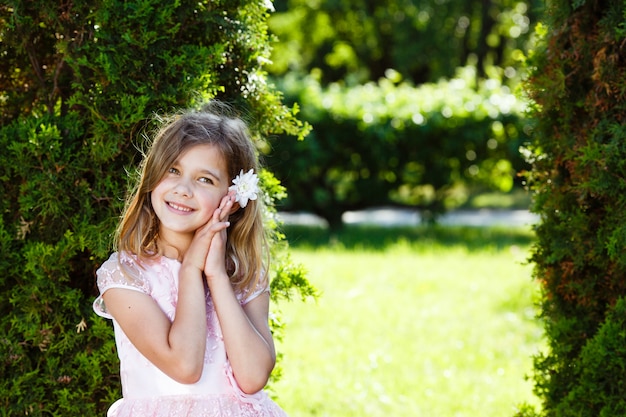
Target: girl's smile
x,y
188,194
179,207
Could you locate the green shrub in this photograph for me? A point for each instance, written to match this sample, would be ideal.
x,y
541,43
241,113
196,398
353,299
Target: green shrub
x,y
395,144
579,159
79,83
601,377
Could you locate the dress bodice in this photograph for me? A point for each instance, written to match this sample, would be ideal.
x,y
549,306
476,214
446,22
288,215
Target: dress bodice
x,y
142,382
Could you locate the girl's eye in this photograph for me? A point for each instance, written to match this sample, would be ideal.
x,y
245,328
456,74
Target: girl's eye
x,y
173,171
206,180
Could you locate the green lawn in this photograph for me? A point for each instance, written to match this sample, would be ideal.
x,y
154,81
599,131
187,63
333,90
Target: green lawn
x,y
410,322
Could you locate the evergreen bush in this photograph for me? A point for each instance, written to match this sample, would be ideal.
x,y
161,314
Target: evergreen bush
x,y
79,83
392,143
600,390
578,156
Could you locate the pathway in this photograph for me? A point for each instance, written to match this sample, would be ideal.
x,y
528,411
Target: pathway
x,y
404,217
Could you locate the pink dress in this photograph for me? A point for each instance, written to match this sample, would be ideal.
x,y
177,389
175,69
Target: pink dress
x,y
146,390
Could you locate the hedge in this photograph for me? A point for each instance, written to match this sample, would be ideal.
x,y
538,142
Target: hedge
x,y
392,143
578,157
80,82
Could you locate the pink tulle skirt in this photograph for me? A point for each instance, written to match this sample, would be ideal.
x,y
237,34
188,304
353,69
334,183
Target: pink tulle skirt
x,y
195,406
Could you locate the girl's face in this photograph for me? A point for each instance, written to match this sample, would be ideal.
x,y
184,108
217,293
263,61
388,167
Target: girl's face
x,y
190,191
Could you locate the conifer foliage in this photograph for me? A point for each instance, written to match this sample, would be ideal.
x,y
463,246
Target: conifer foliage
x,y
578,87
79,83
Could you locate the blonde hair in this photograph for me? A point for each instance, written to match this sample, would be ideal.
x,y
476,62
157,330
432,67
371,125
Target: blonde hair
x,y
246,248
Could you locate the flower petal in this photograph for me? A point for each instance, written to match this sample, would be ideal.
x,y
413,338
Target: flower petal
x,y
245,186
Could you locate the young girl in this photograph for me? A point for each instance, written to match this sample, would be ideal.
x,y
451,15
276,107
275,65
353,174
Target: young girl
x,y
187,288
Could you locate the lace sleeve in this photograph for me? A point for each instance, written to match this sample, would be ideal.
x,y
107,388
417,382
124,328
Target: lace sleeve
x,y
252,293
119,271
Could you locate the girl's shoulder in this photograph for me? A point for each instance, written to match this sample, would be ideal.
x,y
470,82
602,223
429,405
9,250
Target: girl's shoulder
x,y
259,287
122,270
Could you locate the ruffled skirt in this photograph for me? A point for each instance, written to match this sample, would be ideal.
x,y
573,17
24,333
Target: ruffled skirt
x,y
195,406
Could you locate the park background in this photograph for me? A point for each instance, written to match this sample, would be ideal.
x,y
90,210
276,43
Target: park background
x,y
425,105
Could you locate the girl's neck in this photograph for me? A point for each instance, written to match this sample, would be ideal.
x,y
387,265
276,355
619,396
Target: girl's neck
x,y
173,250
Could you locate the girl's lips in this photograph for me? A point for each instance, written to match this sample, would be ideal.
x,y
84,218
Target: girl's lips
x,y
179,207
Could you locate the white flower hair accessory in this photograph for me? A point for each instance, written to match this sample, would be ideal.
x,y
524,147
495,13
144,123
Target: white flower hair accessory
x,y
246,187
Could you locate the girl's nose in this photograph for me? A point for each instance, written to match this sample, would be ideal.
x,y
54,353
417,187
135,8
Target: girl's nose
x,y
183,188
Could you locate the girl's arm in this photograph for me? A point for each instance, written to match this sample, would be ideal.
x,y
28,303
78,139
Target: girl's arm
x,y
176,348
247,336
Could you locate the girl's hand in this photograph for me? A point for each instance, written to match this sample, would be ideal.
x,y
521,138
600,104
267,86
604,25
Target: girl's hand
x,y
215,264
200,248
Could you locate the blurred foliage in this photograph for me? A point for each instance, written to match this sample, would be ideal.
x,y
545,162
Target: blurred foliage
x,y
578,92
381,238
422,40
80,82
389,143
413,102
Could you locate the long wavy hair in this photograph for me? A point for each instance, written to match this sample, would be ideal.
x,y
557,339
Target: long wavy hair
x,y
247,254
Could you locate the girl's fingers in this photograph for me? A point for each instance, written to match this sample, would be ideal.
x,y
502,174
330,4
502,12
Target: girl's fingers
x,y
223,211
213,227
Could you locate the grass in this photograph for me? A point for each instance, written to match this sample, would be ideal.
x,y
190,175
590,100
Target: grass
x,y
410,322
